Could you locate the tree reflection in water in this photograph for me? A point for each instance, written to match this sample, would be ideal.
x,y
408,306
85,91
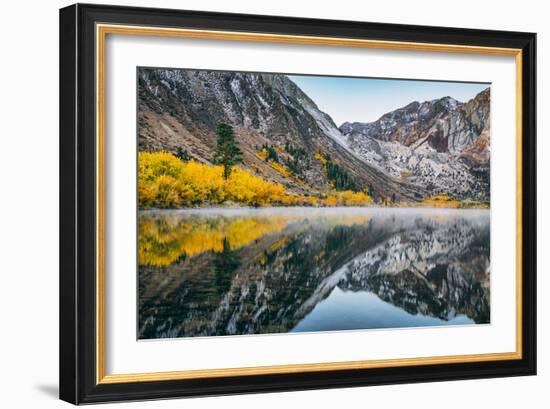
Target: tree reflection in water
x,y
229,272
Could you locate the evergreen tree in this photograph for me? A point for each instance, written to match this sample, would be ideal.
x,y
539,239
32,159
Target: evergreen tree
x,y
182,154
271,153
341,179
225,265
227,152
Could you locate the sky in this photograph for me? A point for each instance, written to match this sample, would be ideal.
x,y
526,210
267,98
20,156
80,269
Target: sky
x,y
367,99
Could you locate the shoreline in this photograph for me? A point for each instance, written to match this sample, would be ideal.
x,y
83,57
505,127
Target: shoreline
x,y
337,210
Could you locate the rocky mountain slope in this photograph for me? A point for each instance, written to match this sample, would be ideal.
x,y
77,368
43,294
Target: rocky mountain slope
x,y
442,145
181,109
423,149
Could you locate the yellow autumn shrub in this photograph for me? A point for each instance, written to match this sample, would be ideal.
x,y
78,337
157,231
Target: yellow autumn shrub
x,y
164,181
206,183
151,165
320,158
244,188
165,239
347,198
440,201
281,169
330,201
167,191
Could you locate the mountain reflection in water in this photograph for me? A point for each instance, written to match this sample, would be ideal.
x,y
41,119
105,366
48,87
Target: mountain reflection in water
x,y
243,271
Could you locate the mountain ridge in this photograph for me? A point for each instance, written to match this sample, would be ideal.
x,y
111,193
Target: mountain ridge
x,y
179,109
442,144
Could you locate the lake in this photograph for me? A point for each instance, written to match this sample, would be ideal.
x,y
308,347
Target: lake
x,y
212,272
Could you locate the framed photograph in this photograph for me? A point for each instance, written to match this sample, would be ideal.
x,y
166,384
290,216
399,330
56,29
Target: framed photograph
x,y
257,203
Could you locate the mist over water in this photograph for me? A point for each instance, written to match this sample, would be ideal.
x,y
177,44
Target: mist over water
x,y
210,272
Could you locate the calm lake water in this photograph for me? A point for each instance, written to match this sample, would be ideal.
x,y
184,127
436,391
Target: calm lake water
x,y
215,272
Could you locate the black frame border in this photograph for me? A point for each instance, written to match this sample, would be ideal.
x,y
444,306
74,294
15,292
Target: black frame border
x,y
78,210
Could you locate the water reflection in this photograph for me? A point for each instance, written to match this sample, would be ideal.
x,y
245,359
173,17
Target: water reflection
x,y
225,272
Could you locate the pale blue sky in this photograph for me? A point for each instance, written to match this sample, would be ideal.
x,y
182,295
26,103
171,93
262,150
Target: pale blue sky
x,y
367,99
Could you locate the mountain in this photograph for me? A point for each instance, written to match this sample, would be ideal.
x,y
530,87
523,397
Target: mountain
x,y
438,147
442,145
284,136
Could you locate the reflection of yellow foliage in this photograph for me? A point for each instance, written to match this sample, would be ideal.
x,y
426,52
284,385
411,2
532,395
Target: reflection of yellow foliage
x,y
163,240
262,259
278,244
350,220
